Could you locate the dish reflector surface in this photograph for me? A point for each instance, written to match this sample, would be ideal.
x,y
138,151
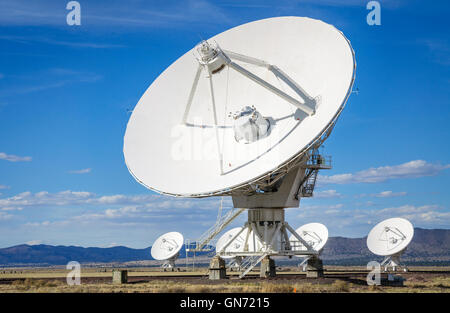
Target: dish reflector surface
x,y
238,244
390,236
315,234
199,159
167,246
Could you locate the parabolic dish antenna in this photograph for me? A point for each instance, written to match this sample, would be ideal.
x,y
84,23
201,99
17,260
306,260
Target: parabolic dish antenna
x,y
315,235
167,246
238,244
244,114
390,238
239,106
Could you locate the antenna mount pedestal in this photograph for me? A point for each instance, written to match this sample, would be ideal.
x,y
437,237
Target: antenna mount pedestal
x,y
217,269
393,262
314,267
268,268
266,233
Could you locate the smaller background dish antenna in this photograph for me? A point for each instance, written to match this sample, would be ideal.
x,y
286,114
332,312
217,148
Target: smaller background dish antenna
x,y
315,235
226,243
390,238
166,248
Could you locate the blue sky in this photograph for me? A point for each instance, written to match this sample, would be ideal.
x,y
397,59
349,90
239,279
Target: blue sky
x,y
65,91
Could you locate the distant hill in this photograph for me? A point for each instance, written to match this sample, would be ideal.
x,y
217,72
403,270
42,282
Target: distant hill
x,y
44,255
59,255
428,247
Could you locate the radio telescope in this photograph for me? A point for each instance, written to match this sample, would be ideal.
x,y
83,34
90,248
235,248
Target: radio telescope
x,y
225,245
390,238
243,114
166,248
315,235
246,241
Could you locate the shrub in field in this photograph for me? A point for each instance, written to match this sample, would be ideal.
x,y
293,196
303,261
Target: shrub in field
x,y
341,286
276,288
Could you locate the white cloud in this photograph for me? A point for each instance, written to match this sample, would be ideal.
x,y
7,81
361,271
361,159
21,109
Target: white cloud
x,y
57,77
28,199
383,194
14,158
392,4
4,187
327,194
111,199
348,220
86,209
82,171
121,212
11,209
5,216
34,242
412,169
322,207
425,214
146,203
68,197
117,13
45,40
389,194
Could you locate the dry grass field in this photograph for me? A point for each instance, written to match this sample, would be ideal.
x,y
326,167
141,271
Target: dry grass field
x,y
337,279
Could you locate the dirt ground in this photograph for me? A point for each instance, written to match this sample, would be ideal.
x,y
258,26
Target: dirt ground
x,y
342,279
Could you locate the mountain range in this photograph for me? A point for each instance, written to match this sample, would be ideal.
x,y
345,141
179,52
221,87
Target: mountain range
x,y
428,247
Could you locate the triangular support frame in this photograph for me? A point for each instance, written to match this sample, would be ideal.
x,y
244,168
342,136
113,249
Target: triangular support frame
x,y
226,57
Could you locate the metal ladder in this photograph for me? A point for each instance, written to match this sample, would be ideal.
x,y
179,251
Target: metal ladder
x,y
314,163
221,223
309,183
250,262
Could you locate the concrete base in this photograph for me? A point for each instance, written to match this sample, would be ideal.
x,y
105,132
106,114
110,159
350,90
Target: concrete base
x,y
392,280
267,268
217,269
119,277
314,268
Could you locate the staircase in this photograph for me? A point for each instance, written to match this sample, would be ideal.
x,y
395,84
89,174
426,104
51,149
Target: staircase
x,y
221,223
250,262
233,264
314,163
309,183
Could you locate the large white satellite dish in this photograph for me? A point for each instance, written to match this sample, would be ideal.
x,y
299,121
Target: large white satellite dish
x,y
390,238
182,138
167,248
244,114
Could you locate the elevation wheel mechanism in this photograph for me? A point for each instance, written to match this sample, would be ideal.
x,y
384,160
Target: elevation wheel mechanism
x,y
243,114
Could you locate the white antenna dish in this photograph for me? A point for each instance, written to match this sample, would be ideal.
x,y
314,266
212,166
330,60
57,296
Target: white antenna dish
x,y
243,114
258,96
315,234
390,238
167,248
226,243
